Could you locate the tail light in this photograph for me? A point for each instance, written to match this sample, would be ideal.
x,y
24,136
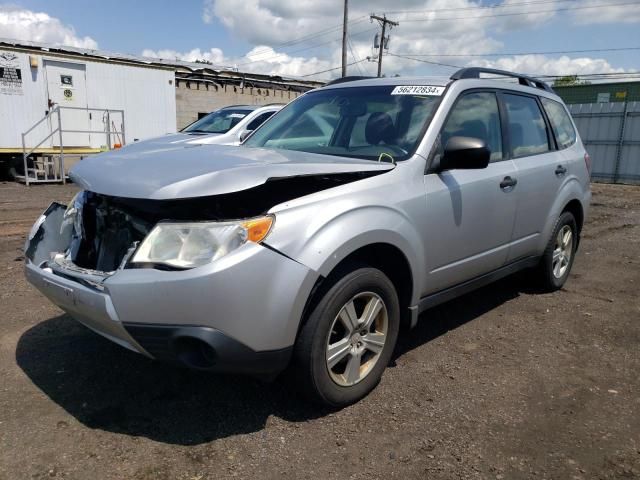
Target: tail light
x,y
587,162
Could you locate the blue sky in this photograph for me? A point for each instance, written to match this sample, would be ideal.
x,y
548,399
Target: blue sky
x,y
225,31
131,26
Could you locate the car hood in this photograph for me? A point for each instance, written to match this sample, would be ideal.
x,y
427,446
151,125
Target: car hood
x,y
170,139
175,171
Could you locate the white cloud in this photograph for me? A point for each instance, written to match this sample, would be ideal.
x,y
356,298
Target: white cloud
x,y
466,29
445,27
606,14
207,11
21,24
213,55
543,65
274,63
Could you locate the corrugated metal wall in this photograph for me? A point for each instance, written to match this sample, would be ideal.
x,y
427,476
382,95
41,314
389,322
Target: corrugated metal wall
x,y
611,134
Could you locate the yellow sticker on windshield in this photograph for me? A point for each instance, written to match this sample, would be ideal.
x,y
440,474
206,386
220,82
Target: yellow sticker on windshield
x,y
430,90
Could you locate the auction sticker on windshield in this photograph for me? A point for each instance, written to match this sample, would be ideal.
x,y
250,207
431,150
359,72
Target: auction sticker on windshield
x,y
418,90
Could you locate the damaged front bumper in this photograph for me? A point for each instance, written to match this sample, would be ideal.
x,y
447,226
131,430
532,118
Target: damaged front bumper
x,y
238,314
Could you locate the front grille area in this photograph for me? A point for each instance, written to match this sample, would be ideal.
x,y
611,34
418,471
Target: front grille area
x,y
105,231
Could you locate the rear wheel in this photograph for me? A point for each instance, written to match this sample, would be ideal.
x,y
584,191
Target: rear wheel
x,y
348,338
557,260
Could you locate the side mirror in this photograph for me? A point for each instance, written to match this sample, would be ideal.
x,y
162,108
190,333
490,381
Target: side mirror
x,y
244,135
465,153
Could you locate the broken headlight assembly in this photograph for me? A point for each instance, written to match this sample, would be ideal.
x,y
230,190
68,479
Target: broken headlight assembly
x,y
188,245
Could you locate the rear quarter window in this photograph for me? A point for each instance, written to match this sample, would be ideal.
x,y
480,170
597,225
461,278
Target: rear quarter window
x,y
560,123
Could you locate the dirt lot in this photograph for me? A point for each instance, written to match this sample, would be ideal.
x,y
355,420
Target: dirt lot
x,y
503,383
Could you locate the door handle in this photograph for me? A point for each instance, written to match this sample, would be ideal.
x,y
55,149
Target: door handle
x,y
560,170
508,183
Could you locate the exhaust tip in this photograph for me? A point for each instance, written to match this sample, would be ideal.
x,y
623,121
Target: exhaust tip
x,y
194,353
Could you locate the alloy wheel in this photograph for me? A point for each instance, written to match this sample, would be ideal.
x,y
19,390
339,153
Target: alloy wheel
x,y
356,338
562,251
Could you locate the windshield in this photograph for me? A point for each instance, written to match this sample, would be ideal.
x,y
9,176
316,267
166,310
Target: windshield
x,y
371,123
218,122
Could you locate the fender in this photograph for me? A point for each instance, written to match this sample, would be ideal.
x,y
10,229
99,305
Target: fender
x,y
570,190
326,242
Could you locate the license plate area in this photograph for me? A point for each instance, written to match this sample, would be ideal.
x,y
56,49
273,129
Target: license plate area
x,y
61,294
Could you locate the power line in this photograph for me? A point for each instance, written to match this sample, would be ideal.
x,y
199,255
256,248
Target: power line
x,y
424,61
480,7
335,28
353,55
331,69
360,19
275,55
268,50
594,76
310,36
565,9
506,54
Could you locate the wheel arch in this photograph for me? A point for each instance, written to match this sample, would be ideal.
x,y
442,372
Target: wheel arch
x,y
570,198
575,208
387,258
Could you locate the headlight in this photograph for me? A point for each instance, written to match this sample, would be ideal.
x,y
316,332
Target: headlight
x,y
188,245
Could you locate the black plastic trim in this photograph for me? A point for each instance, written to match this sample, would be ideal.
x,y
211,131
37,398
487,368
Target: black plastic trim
x,y
224,354
474,72
452,292
351,78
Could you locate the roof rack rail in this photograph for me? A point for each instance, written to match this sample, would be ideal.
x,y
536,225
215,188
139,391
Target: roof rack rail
x,y
352,78
474,72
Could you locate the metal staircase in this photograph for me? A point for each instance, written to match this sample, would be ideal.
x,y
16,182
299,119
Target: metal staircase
x,y
45,162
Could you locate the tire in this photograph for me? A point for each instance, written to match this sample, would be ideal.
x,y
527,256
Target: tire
x,y
557,260
328,343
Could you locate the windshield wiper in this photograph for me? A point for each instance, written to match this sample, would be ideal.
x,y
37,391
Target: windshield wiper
x,y
197,131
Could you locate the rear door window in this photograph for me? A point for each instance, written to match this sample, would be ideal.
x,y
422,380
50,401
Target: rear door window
x,y
527,128
560,123
476,115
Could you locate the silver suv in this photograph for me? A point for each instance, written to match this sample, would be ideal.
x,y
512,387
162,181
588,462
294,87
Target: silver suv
x,y
351,211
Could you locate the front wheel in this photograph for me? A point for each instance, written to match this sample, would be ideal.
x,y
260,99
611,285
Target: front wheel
x,y
557,260
348,338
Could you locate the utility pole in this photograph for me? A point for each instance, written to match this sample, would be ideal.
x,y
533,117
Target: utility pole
x,y
344,38
383,22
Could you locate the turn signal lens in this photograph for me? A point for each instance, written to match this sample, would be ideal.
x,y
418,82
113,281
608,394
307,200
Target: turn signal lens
x,y
258,228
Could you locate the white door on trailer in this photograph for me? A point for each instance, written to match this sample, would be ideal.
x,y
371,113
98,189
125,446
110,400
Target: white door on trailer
x,y
66,87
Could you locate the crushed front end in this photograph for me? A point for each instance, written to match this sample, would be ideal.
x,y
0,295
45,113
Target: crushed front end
x,y
236,312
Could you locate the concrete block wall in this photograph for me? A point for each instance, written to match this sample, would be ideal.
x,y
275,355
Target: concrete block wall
x,y
195,97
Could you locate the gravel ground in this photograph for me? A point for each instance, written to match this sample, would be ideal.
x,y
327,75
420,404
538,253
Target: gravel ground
x,y
502,383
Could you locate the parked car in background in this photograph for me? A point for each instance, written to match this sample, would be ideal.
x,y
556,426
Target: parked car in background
x,y
227,126
354,209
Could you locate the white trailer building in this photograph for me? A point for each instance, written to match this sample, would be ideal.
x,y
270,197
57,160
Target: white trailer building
x,y
66,102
